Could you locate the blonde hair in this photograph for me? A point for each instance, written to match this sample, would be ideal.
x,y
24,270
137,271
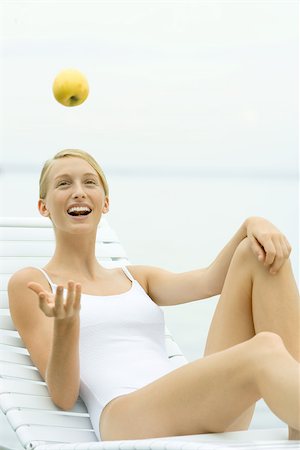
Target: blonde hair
x,y
67,154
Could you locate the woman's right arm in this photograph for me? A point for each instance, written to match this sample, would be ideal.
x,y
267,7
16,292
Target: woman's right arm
x,y
49,327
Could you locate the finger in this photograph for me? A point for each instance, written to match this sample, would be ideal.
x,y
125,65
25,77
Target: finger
x,y
70,296
279,256
278,261
284,249
35,287
270,252
44,306
76,304
59,301
38,289
257,249
282,254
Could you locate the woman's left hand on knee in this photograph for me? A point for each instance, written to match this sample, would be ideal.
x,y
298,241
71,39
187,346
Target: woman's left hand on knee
x,y
270,245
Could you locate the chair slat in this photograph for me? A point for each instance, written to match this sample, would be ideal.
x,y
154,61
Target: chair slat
x,y
26,234
272,439
6,322
14,340
46,248
36,222
24,222
4,278
18,400
4,299
16,371
31,434
104,234
26,248
114,262
23,387
18,418
10,264
15,357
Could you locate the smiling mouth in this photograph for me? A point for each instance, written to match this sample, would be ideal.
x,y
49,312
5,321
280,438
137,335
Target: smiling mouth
x,y
79,212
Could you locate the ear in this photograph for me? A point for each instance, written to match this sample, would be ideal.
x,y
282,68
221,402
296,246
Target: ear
x,y
43,208
105,208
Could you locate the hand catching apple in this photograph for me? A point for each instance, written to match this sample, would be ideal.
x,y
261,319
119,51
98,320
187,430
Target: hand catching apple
x,y
70,87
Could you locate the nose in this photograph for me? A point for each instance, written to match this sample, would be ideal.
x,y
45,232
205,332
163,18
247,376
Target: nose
x,y
78,191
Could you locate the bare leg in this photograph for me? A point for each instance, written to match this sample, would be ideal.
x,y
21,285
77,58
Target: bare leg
x,y
252,301
208,394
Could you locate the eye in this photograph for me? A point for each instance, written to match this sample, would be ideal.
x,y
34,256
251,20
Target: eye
x,y
62,183
91,182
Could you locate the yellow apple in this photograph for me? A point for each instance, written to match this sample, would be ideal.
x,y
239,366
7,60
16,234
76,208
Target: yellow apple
x,y
70,87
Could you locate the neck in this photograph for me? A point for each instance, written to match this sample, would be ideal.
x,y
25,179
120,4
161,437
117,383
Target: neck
x,y
75,254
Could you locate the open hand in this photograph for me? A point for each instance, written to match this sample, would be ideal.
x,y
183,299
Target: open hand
x,y
268,243
54,305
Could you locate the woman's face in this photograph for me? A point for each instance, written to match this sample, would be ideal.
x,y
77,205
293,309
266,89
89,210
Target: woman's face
x,y
75,196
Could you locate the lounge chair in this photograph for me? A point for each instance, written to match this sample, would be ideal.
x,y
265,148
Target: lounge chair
x,y
24,397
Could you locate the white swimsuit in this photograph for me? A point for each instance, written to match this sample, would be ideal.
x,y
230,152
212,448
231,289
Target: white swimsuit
x,y
122,346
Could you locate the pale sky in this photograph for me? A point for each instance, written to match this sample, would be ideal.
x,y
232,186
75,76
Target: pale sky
x,y
203,84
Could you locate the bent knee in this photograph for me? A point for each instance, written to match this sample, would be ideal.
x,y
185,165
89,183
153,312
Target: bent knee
x,y
262,348
244,249
246,252
267,341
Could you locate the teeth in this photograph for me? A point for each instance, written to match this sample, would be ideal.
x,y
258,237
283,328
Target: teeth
x,y
79,209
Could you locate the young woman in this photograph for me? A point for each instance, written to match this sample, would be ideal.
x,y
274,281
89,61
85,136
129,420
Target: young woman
x,y
99,332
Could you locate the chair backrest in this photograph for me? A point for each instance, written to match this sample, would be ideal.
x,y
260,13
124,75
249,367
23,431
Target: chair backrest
x,y
24,396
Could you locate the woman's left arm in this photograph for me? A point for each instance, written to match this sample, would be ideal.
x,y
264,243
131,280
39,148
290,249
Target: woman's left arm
x,y
268,244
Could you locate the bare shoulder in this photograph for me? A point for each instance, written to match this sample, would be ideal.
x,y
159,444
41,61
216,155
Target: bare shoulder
x,y
26,273
167,288
21,299
145,275
20,296
23,276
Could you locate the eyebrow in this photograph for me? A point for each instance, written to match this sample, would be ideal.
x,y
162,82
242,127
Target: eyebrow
x,y
68,175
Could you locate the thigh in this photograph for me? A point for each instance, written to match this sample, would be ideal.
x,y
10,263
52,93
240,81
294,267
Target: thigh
x,y
206,395
232,322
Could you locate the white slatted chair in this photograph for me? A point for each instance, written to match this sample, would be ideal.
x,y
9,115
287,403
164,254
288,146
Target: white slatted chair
x,y
24,396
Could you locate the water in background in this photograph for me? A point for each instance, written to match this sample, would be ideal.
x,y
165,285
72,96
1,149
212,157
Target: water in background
x,y
180,223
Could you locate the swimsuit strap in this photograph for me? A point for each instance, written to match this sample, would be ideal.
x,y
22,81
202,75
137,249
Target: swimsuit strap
x,y
46,275
127,273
